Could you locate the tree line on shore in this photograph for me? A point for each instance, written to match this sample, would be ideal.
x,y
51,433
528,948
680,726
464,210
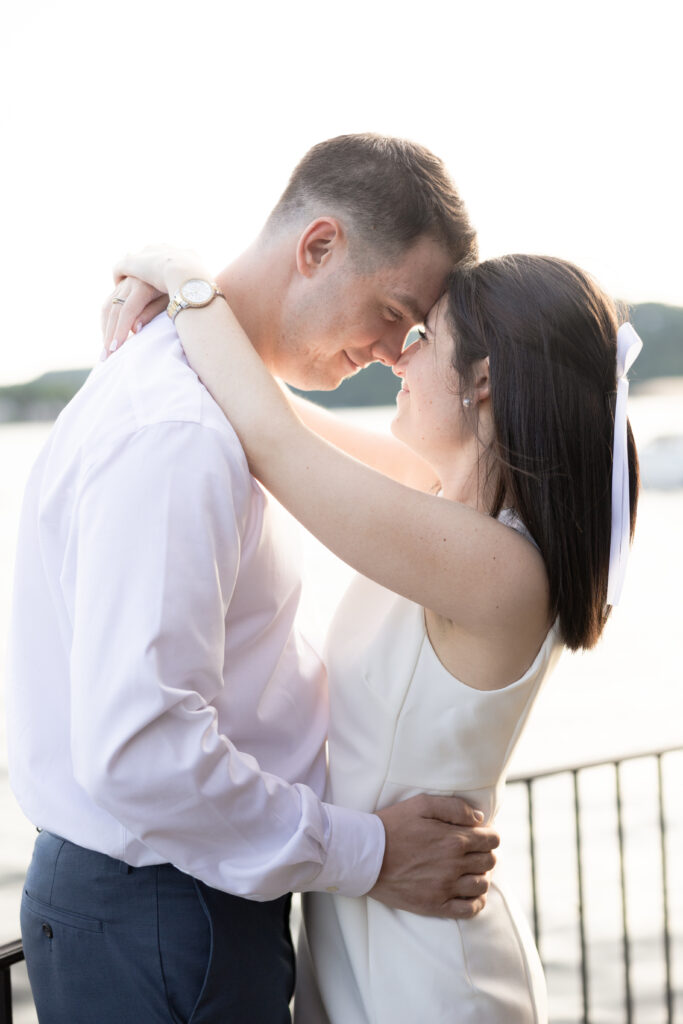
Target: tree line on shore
x,y
660,326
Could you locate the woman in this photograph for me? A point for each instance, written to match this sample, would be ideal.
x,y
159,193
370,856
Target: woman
x,y
507,409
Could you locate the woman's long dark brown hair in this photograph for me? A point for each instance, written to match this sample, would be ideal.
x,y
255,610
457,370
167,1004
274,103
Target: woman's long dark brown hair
x,y
550,334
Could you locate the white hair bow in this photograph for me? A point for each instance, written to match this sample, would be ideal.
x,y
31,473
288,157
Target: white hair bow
x,y
628,349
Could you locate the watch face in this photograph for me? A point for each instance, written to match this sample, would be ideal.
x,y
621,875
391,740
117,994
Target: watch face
x,y
196,292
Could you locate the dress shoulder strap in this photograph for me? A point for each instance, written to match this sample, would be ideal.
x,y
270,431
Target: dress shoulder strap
x,y
509,517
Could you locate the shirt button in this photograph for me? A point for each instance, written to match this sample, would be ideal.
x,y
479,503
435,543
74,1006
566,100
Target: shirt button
x,y
47,930
332,888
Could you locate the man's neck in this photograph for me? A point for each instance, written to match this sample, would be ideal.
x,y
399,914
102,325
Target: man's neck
x,y
253,285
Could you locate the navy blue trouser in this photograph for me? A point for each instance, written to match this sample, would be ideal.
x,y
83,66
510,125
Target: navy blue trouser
x,y
106,943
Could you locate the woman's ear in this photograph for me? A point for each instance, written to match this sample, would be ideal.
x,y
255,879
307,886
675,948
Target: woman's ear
x,y
482,380
318,244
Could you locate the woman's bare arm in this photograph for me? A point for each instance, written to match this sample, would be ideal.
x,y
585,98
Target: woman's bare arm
x,y
382,452
464,566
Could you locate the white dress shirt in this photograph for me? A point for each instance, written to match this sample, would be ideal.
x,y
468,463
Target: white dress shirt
x,y
161,705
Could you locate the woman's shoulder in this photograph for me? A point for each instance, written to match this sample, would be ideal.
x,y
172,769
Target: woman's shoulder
x,y
498,651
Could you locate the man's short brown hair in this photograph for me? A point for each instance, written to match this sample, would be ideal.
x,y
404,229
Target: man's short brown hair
x,y
394,191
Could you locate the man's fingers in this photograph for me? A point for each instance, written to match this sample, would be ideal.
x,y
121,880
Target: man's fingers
x,y
471,887
463,910
460,841
482,839
432,865
451,809
480,863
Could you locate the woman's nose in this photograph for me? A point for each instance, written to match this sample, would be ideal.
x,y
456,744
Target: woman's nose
x,y
399,367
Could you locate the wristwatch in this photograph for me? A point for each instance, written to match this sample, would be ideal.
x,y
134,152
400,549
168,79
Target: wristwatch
x,y
193,294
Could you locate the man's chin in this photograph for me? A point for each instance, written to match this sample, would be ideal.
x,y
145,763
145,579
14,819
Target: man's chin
x,y
316,381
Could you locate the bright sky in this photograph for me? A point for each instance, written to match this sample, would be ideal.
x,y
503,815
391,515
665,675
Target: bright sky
x,y
150,120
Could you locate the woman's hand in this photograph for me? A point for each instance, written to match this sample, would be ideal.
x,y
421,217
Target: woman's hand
x,y
164,267
144,281
447,557
131,305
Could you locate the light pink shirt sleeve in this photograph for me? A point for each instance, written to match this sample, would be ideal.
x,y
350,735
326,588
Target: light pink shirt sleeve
x,y
156,548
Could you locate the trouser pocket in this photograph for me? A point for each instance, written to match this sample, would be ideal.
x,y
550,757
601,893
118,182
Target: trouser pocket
x,y
56,942
185,940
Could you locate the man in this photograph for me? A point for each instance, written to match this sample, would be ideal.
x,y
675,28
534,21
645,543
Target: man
x,y
167,723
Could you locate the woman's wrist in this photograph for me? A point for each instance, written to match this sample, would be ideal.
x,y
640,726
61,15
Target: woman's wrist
x,y
179,271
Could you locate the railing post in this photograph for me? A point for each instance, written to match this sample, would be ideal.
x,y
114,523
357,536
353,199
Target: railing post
x,y
579,879
10,953
624,904
664,825
665,895
5,996
532,859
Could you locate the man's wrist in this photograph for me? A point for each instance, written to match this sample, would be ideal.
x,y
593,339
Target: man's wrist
x,y
355,852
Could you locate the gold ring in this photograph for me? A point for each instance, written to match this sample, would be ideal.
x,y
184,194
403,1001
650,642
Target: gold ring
x,y
117,300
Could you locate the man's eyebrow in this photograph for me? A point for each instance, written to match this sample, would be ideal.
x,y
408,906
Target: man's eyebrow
x,y
411,306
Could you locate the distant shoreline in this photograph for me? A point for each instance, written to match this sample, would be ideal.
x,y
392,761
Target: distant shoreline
x,y
659,325
29,407
12,411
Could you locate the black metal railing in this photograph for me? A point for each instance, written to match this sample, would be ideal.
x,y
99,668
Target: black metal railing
x,y
540,853
661,1005
11,953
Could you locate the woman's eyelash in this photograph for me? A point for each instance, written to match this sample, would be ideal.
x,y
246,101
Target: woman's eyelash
x,y
422,333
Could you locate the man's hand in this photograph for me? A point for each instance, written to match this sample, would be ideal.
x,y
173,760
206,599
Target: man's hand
x,y
436,857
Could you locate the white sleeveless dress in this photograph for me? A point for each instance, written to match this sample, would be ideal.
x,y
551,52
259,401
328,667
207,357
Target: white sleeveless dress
x,y
401,724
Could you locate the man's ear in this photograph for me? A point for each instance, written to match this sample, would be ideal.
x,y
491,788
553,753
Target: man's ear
x,y
318,243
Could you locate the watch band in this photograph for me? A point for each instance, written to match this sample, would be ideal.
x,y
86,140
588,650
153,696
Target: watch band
x,y
179,302
175,305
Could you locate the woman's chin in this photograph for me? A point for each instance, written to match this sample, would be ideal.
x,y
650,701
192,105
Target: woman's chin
x,y
395,427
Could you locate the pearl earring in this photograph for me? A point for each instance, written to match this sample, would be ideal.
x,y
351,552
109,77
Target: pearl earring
x,y
467,402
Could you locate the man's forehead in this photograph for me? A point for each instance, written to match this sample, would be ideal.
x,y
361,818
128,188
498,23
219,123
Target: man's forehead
x,y
419,279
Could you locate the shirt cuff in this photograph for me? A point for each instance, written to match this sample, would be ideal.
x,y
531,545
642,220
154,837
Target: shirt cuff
x,y
355,851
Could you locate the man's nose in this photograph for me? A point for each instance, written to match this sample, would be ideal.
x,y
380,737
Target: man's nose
x,y
388,348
